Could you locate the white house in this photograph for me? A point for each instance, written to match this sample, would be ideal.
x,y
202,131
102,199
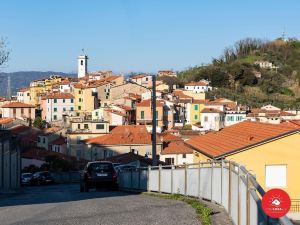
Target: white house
x,y
212,119
58,104
65,86
198,87
234,116
142,79
23,95
177,153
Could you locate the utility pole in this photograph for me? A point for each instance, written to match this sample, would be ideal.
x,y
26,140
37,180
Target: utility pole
x,y
8,88
154,158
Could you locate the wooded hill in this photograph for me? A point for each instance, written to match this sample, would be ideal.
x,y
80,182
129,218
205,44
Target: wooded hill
x,y
238,76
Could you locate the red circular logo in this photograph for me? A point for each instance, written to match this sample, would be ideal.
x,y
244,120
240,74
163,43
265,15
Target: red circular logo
x,y
276,203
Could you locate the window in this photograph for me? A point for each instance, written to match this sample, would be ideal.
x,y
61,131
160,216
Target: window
x,y
78,126
276,176
79,107
71,108
55,109
81,62
79,92
64,100
205,118
55,117
55,100
100,126
28,94
96,113
44,140
22,111
86,126
195,107
80,99
106,97
39,139
196,117
72,100
48,100
64,109
169,161
142,114
183,156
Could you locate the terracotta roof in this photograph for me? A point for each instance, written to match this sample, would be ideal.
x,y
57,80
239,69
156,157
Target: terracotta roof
x,y
65,82
17,105
59,141
138,76
168,137
181,95
147,103
128,158
237,137
6,120
199,83
127,134
60,95
210,110
284,113
115,112
41,154
292,123
23,89
177,148
200,101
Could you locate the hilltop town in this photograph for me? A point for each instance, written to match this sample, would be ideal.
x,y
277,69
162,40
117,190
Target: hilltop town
x,y
60,123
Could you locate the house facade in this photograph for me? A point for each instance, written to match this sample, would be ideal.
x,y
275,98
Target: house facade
x,y
270,151
18,110
56,105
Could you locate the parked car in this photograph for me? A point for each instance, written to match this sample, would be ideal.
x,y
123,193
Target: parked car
x,y
40,178
26,178
98,174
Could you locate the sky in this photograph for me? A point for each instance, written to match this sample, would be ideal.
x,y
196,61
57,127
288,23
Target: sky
x,y
136,35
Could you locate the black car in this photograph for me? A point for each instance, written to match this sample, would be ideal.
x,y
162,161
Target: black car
x,y
98,174
40,178
26,178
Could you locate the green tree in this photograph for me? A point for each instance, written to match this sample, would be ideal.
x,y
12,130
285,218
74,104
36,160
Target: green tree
x,y
39,123
4,52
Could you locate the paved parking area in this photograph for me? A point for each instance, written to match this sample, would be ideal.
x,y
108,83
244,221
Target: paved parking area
x,y
64,204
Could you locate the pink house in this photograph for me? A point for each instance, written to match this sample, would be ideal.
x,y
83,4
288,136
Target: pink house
x,y
18,110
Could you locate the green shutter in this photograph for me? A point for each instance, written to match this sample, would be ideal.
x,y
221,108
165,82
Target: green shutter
x,y
142,114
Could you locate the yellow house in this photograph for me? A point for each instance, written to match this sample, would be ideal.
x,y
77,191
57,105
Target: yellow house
x,y
85,99
144,113
195,110
52,80
35,92
271,151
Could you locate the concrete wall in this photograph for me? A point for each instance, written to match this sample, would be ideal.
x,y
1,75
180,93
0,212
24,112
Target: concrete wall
x,y
9,164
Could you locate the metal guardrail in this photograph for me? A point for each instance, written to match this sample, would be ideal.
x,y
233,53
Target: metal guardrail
x,y
295,206
223,182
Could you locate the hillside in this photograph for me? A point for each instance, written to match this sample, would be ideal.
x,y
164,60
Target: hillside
x,y
238,76
23,79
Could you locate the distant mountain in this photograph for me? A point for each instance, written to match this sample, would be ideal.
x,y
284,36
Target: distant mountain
x,y
23,79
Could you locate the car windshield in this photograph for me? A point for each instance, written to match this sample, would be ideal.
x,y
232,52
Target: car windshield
x,y
101,167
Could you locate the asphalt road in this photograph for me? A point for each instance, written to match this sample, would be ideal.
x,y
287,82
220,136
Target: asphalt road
x,y
65,205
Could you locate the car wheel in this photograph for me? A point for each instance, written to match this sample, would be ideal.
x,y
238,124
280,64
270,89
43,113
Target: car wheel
x,y
86,187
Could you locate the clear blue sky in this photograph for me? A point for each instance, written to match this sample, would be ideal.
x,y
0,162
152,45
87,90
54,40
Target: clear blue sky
x,y
136,35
